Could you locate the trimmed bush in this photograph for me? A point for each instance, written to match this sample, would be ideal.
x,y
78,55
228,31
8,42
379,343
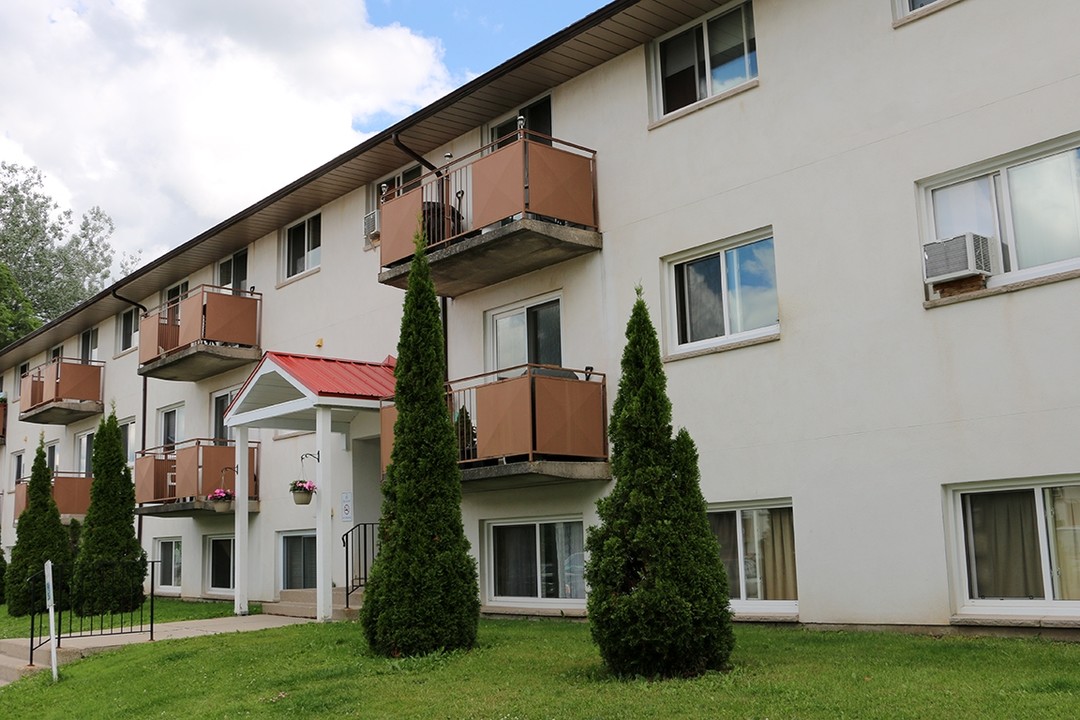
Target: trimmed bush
x,y
40,536
658,593
422,593
111,564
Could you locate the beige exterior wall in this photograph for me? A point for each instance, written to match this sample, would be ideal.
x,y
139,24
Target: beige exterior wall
x,y
870,409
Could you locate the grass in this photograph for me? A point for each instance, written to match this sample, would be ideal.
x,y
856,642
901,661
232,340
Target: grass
x,y
165,610
550,669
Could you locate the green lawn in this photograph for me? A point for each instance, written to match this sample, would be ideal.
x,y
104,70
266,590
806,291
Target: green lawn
x,y
165,610
550,669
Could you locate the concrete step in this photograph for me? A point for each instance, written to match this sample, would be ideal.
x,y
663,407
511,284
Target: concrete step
x,y
308,610
308,595
13,668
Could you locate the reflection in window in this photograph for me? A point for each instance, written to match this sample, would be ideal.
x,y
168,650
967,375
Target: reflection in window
x,y
539,560
708,58
728,292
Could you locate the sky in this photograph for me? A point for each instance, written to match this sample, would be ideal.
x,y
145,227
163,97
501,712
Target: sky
x,y
173,115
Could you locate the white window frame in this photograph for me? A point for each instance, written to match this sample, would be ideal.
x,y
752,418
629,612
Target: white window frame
x,y
756,607
514,308
956,557
231,262
489,563
656,80
133,339
902,12
211,589
178,570
82,463
230,395
309,532
310,266
89,345
670,302
57,352
997,169
18,466
127,430
178,408
53,446
16,392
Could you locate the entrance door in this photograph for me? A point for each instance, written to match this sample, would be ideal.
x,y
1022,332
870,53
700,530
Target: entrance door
x,y
299,558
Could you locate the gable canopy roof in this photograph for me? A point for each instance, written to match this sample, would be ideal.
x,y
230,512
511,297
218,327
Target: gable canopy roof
x,y
612,30
284,390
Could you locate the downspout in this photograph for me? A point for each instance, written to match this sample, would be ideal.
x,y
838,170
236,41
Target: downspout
x,y
142,425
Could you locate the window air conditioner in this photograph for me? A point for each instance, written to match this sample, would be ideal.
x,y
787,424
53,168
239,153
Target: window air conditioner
x,y
371,224
957,257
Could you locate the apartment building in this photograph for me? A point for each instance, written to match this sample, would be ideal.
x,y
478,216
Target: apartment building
x,y
857,226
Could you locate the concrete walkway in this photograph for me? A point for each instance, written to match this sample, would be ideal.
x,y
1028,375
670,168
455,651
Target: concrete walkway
x,y
15,652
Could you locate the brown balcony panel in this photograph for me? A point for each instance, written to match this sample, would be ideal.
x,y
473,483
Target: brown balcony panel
x,y
175,483
499,254
503,419
71,492
20,497
62,392
569,417
400,219
3,421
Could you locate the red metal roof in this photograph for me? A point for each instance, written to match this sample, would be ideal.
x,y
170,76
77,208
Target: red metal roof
x,y
331,377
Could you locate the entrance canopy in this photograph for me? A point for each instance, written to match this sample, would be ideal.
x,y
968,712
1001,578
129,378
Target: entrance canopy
x,y
284,391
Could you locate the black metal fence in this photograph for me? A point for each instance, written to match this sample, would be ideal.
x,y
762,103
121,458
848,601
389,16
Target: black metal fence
x,y
361,545
71,624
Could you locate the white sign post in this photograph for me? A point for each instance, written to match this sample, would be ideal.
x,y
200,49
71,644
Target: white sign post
x,y
49,603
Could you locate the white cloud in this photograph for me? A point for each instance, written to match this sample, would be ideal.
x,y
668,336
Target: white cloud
x,y
173,116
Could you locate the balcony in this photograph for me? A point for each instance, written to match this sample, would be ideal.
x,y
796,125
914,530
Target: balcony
x,y
62,391
71,491
3,420
208,331
524,426
174,480
512,207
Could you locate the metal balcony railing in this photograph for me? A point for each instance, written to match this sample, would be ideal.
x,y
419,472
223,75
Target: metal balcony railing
x,y
527,412
524,174
61,380
207,314
190,470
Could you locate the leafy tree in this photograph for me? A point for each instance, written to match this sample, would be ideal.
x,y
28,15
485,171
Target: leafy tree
x,y
16,315
40,536
422,593
658,593
111,564
56,265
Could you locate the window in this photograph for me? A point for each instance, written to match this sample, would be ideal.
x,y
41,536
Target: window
x,y
18,470
726,291
222,565
127,439
219,403
171,425
1029,205
52,455
88,345
127,329
17,390
84,449
232,272
298,554
303,243
171,560
56,353
758,549
705,59
1021,544
528,333
543,560
537,119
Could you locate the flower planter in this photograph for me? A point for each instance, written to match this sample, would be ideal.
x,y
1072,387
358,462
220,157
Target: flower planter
x,y
301,498
222,505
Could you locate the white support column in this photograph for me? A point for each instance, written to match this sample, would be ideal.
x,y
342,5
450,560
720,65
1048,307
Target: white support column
x,y
324,503
240,539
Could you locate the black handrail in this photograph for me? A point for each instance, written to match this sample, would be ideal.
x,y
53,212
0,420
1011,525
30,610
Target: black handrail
x,y
361,545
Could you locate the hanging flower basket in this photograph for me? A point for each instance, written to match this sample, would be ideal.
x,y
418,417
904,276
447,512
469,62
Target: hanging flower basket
x,y
221,499
302,490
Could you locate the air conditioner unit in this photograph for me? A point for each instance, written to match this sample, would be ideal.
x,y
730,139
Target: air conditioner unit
x,y
371,224
957,257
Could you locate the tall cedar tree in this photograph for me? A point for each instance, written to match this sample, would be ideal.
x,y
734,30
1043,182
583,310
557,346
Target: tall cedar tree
x,y
658,592
39,537
422,593
3,573
111,564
